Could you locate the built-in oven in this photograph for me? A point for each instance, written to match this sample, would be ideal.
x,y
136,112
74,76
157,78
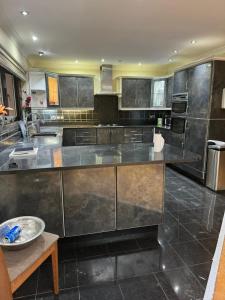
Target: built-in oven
x,y
178,125
180,103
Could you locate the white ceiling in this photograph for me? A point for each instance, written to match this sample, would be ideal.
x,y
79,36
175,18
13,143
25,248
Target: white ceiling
x,y
127,30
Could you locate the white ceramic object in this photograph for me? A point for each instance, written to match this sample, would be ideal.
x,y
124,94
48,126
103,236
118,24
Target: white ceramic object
x,y
159,142
32,228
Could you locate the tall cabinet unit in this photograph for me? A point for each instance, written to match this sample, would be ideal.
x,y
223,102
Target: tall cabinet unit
x,y
205,117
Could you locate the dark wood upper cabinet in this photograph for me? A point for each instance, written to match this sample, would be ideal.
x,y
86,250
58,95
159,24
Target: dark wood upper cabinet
x,y
128,93
68,91
85,92
180,83
136,93
76,92
143,93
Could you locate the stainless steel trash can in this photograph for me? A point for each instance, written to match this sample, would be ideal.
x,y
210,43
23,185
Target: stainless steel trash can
x,y
215,177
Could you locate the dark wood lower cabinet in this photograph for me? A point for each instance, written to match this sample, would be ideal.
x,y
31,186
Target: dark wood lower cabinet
x,y
140,190
103,136
117,135
36,194
89,200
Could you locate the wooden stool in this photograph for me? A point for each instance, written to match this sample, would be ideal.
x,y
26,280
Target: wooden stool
x,y
17,266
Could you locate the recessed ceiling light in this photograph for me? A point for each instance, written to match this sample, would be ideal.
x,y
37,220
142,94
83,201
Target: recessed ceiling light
x,y
24,13
170,60
193,42
76,61
34,38
41,53
175,51
140,64
102,60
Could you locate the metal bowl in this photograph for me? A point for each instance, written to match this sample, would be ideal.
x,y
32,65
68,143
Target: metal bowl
x,y
32,228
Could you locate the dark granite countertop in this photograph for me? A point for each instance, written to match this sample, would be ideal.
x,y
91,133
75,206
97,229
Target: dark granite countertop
x,y
52,156
105,126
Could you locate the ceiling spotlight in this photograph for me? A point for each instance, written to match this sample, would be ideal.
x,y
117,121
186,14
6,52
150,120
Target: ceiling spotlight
x,y
102,60
24,13
76,61
170,60
34,38
175,51
193,42
41,53
140,64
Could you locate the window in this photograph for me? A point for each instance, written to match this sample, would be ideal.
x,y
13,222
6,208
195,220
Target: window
x,y
158,93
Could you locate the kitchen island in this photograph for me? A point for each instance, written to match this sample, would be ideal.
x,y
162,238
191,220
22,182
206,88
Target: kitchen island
x,y
82,190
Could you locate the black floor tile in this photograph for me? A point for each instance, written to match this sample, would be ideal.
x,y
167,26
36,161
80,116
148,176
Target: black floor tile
x,y
69,294
169,259
142,288
146,262
209,244
180,192
199,231
96,271
102,292
173,233
123,247
29,287
67,277
137,264
180,284
202,272
192,253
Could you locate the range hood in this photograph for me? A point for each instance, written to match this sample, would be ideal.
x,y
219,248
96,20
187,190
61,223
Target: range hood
x,y
106,80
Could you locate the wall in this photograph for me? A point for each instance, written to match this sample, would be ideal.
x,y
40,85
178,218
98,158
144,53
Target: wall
x,y
66,67
12,48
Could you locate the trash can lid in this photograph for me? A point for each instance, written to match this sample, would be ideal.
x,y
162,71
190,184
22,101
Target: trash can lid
x,y
214,144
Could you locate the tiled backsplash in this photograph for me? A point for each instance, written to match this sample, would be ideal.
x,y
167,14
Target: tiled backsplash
x,y
91,117
66,115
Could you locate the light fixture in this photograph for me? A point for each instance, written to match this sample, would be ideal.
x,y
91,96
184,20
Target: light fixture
x,y
24,13
140,64
170,60
102,60
76,61
193,42
175,51
41,53
34,38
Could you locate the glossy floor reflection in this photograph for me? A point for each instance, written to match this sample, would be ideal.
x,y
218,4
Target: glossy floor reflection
x,y
174,268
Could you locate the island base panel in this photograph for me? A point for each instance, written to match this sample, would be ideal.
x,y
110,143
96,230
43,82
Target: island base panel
x,y
140,192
